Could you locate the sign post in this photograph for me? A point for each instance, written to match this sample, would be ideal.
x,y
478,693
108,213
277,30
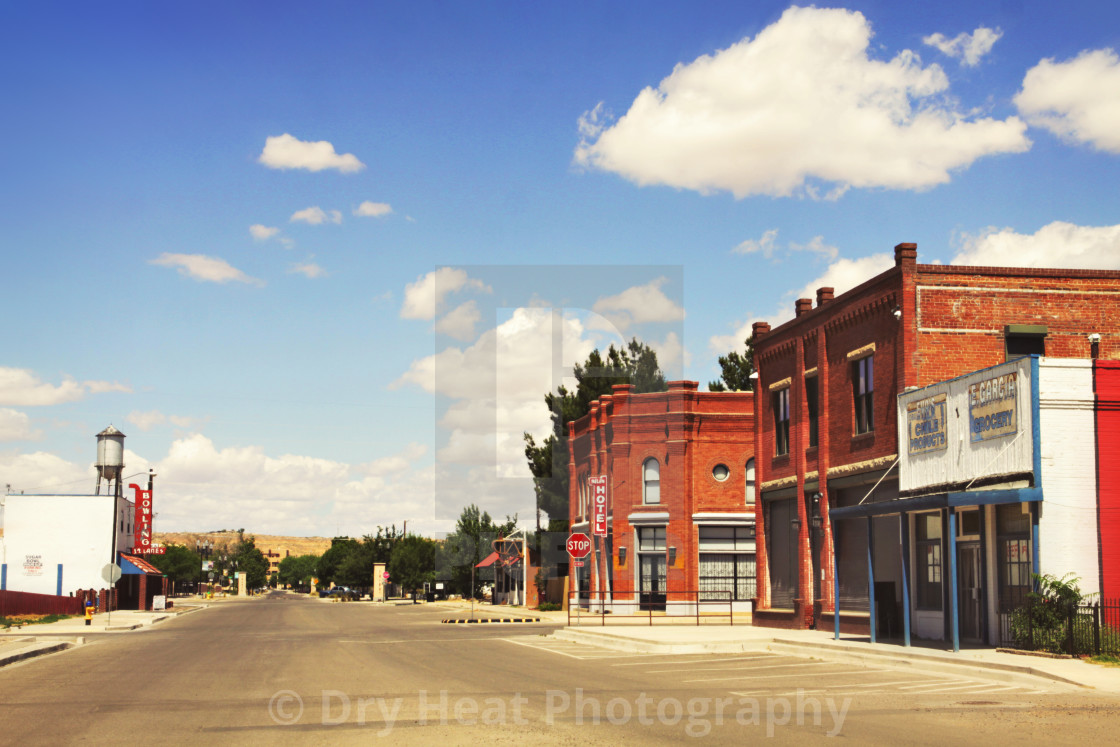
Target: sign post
x,y
112,574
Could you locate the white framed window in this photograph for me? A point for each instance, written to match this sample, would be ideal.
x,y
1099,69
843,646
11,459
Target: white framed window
x,y
750,486
651,481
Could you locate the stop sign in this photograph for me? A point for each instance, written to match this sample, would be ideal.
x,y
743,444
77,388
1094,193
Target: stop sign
x,y
579,545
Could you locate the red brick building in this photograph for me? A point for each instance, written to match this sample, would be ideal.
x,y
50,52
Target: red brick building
x,y
680,498
827,435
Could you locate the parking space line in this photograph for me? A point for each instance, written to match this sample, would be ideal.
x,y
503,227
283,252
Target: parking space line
x,y
749,669
704,661
785,676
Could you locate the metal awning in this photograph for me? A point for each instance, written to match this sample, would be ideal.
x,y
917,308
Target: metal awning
x,y
488,560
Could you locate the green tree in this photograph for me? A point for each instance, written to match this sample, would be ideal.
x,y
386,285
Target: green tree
x,y
464,548
178,563
298,570
249,560
634,364
333,558
736,370
412,563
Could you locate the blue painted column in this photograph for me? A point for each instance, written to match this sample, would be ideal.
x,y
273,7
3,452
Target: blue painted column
x,y
3,576
871,574
58,586
954,613
835,588
1034,543
904,530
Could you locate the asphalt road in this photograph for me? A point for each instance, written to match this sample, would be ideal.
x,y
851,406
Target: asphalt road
x,y
290,670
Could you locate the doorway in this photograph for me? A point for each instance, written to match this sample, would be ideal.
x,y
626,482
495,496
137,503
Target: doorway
x,y
970,592
652,582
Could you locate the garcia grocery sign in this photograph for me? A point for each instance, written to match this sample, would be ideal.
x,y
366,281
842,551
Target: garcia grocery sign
x,y
992,404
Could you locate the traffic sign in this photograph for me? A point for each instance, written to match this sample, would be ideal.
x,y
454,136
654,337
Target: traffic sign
x,y
579,545
385,575
111,573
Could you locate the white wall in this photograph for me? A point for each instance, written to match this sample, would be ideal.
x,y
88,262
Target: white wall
x,y
1068,525
74,530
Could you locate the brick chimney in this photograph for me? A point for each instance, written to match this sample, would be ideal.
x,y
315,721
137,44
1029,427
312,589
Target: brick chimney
x,y
760,330
802,306
905,255
824,295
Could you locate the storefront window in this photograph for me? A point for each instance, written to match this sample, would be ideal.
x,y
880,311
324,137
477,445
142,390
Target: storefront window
x,y
928,533
727,563
1013,543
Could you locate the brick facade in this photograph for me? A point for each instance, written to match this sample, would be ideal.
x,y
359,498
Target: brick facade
x,y
917,325
689,433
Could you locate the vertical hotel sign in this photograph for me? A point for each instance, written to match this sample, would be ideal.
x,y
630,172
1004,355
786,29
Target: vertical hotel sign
x,y
142,522
598,505
993,407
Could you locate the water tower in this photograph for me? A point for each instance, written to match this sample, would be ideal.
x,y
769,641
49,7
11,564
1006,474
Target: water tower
x,y
110,459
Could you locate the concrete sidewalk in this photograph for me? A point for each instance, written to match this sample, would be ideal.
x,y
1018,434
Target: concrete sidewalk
x,y
118,621
710,639
665,637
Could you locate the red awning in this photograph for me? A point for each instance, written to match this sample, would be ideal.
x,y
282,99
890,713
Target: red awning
x,y
488,561
141,566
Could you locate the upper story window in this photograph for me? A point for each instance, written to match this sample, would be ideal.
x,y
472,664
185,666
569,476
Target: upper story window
x,y
1024,339
781,421
812,399
863,390
749,471
651,481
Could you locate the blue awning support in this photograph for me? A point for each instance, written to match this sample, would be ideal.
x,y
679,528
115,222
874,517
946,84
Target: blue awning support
x,y
871,574
954,612
835,590
904,533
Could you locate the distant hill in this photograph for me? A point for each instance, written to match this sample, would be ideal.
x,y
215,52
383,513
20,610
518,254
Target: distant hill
x,y
265,542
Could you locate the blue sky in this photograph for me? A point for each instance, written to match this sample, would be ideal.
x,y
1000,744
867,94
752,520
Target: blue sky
x,y
306,256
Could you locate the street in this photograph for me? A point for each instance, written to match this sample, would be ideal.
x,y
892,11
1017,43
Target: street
x,y
288,669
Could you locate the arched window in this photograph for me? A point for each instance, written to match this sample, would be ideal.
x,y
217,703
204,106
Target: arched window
x,y
651,481
750,481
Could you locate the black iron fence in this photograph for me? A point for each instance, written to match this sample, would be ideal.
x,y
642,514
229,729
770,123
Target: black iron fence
x,y
673,607
1075,629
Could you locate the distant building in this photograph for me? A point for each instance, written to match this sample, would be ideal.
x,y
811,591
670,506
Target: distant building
x,y
680,498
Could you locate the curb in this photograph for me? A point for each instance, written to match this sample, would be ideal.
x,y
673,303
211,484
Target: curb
x,y
33,652
997,671
994,670
466,621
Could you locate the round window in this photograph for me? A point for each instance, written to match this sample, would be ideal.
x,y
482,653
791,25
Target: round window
x,y
721,472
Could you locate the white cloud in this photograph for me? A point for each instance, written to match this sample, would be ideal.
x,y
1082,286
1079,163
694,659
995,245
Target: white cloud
x,y
640,304
42,472
1078,100
204,268
16,426
767,246
373,209
800,105
841,275
316,215
969,48
145,421
262,232
182,421
22,388
1055,245
460,322
287,152
763,245
307,269
424,299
